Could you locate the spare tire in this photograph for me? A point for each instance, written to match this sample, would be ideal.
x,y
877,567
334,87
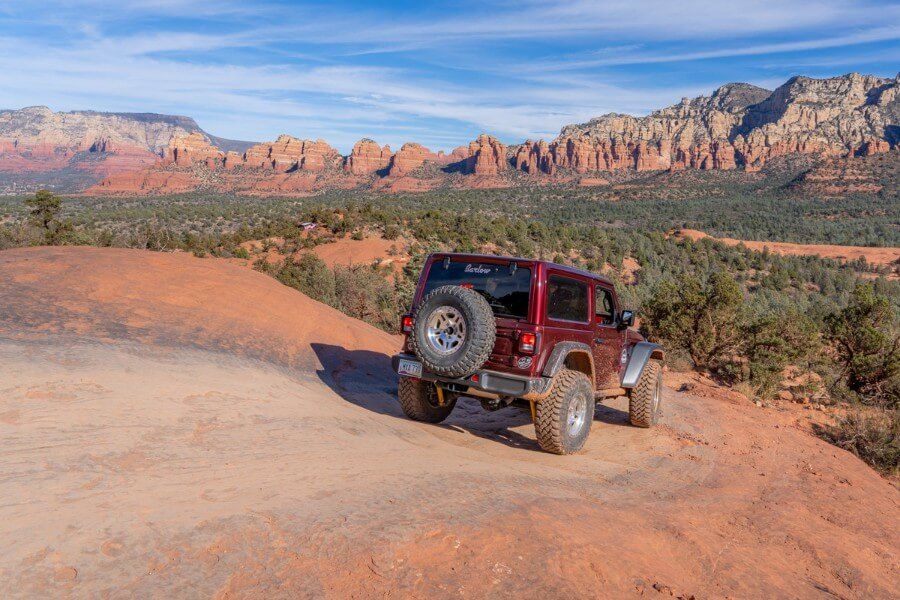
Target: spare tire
x,y
453,331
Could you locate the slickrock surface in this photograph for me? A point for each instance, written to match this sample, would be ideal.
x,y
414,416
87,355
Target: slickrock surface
x,y
182,427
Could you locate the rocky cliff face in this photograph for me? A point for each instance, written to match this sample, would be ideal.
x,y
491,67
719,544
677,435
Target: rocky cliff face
x,y
487,156
82,146
739,125
840,116
410,157
367,157
287,153
41,128
193,148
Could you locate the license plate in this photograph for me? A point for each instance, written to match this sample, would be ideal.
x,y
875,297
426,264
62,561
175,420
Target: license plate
x,y
409,367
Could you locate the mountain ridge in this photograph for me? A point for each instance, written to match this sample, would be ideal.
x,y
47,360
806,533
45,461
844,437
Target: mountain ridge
x,y
177,122
737,126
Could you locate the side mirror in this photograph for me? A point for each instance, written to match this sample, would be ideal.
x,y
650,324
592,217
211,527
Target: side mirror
x,y
626,318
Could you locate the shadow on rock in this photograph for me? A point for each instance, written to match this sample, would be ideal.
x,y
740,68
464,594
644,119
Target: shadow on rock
x,y
366,379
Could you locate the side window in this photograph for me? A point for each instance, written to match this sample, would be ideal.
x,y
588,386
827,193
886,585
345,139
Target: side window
x,y
567,299
604,307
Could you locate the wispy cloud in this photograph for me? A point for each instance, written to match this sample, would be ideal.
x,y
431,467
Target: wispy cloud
x,y
605,59
647,19
439,74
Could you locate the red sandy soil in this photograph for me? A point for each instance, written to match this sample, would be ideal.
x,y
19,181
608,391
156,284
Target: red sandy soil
x,y
873,256
181,427
347,251
372,249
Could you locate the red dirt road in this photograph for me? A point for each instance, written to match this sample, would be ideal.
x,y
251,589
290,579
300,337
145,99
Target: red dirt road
x,y
880,256
178,427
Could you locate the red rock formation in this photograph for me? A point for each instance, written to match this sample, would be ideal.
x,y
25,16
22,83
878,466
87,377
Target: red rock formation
x,y
739,125
406,184
103,144
289,153
232,160
841,176
583,155
872,147
367,157
458,154
184,151
409,158
295,182
145,182
487,156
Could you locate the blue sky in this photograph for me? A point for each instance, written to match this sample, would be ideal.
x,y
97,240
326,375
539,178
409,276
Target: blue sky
x,y
435,72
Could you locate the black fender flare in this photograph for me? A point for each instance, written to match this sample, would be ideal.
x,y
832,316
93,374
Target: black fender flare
x,y
640,354
561,351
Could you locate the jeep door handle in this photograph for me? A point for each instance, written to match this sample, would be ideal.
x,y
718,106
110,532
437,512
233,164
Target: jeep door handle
x,y
599,340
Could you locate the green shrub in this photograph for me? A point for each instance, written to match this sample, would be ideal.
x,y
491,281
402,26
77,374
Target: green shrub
x,y
867,346
703,318
775,341
45,208
871,434
361,293
309,275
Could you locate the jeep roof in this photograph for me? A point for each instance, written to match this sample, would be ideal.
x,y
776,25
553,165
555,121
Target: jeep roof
x,y
499,258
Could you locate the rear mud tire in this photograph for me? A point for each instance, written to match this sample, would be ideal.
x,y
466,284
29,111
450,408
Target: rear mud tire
x,y
419,401
480,331
555,430
645,398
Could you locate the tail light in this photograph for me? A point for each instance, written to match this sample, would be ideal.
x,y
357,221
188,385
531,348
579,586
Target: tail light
x,y
406,324
527,343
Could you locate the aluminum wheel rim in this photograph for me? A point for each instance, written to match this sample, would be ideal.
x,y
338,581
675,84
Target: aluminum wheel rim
x,y
576,416
445,330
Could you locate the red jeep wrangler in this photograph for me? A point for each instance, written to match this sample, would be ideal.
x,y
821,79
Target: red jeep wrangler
x,y
503,329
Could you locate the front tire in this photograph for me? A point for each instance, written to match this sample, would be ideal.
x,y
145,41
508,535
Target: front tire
x,y
645,398
420,402
563,419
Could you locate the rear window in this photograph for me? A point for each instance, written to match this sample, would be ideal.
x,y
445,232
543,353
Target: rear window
x,y
505,287
567,299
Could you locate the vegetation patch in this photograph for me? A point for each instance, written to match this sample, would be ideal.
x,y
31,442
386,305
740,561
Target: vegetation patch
x,y
749,319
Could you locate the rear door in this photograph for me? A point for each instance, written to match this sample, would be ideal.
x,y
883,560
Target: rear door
x,y
505,284
608,338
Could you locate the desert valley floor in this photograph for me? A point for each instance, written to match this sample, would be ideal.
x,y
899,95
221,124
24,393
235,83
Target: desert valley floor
x,y
175,426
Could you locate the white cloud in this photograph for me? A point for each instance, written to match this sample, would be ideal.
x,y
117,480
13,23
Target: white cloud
x,y
632,58
252,70
642,19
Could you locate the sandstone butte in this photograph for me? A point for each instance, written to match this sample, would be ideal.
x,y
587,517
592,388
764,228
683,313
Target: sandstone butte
x,y
367,157
739,126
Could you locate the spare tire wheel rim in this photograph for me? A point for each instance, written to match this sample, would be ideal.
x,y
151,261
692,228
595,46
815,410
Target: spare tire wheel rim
x,y
576,415
445,330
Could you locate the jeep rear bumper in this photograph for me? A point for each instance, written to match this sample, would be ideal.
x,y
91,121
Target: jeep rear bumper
x,y
486,382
